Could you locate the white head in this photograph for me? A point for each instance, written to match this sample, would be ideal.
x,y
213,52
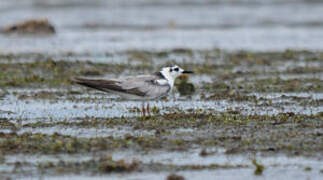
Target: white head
x,y
172,72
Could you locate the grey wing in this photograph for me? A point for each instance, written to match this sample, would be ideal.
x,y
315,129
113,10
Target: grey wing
x,y
145,85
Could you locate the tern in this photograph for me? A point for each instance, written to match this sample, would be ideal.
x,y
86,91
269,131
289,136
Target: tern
x,y
140,87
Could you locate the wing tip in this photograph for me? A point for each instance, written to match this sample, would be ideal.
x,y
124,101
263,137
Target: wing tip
x,y
76,80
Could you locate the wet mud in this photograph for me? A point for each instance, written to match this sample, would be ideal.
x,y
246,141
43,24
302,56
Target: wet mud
x,y
253,108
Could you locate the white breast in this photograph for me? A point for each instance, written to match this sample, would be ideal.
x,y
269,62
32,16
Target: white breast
x,y
162,82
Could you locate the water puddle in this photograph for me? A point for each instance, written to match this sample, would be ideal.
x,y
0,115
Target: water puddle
x,y
279,166
104,105
276,95
87,132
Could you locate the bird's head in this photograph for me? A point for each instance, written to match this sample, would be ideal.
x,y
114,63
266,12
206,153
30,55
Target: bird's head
x,y
172,72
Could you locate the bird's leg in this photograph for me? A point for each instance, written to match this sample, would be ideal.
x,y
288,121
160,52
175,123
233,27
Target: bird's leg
x,y
143,110
148,109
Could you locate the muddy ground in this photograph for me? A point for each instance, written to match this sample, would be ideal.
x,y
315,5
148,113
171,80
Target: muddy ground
x,y
250,114
252,110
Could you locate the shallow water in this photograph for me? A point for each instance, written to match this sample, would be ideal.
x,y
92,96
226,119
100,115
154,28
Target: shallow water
x,y
108,32
280,167
105,105
274,95
121,25
87,132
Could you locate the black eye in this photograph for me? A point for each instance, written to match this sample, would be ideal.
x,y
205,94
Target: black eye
x,y
176,69
170,70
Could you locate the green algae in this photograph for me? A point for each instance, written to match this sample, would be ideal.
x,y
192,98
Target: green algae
x,y
106,165
175,177
49,71
290,133
288,127
259,167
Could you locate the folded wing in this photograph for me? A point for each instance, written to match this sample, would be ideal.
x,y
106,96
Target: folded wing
x,y
143,86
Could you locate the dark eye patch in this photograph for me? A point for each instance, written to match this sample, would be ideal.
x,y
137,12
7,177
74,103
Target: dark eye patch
x,y
176,69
